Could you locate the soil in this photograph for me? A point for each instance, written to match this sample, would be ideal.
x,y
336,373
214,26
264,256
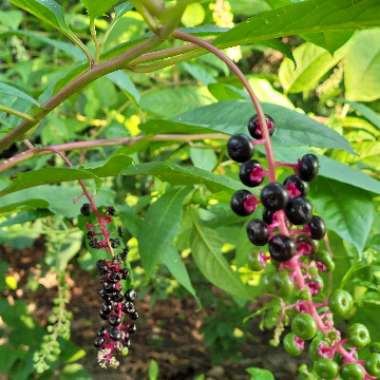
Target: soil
x,y
169,332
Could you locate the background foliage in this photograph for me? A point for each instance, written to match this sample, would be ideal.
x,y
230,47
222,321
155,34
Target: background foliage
x,y
316,66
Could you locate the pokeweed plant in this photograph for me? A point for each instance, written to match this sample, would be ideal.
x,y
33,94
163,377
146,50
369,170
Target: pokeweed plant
x,y
296,272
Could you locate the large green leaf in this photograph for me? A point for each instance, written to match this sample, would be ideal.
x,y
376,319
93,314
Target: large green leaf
x,y
99,7
294,128
161,225
311,63
260,374
347,211
177,268
366,112
12,91
311,16
207,254
184,175
48,11
121,79
362,66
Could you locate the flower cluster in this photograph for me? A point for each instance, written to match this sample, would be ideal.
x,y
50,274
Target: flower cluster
x,y
295,264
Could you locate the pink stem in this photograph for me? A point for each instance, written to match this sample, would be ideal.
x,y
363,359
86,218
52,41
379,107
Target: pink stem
x,y
286,165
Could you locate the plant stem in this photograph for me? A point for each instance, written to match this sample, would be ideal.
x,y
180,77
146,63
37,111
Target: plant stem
x,y
84,145
95,39
97,71
12,111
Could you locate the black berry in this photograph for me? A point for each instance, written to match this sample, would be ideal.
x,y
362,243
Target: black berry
x,y
110,211
317,228
240,148
115,333
102,266
132,328
258,233
131,295
114,320
299,211
243,203
129,307
268,216
255,129
295,186
85,209
282,248
134,316
274,197
308,167
252,173
99,342
115,243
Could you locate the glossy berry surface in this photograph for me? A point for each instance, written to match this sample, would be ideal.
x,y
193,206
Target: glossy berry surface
x,y
258,232
292,345
274,197
373,364
358,335
255,129
308,167
85,209
304,326
282,248
268,216
299,211
295,186
317,228
252,173
342,303
240,148
352,372
327,369
243,203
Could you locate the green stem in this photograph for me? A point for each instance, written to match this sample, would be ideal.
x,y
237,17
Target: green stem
x,y
12,111
95,39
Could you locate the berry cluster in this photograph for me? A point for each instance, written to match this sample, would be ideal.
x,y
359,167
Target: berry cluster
x,y
295,264
116,292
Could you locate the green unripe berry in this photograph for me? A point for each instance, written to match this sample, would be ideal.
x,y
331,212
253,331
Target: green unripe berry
x,y
327,369
342,303
358,335
253,262
304,326
353,372
291,346
314,348
373,364
282,284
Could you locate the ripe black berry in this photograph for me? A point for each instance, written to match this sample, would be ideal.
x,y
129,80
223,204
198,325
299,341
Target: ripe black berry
x,y
299,211
103,315
308,167
258,233
274,197
268,216
106,308
252,173
255,129
102,331
131,295
115,277
317,228
295,186
85,209
243,203
110,211
127,342
115,333
240,148
134,316
124,253
114,320
129,307
99,341
102,266
281,248
132,328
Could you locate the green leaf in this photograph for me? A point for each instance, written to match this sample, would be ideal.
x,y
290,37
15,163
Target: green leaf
x,y
123,8
169,102
183,175
59,200
366,112
153,370
311,16
311,64
10,19
362,67
121,79
161,225
173,261
330,41
294,128
206,251
203,158
48,11
347,211
98,8
12,91
75,371
260,374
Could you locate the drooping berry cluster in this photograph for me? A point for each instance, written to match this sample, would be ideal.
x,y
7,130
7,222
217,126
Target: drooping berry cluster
x,y
295,264
117,294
